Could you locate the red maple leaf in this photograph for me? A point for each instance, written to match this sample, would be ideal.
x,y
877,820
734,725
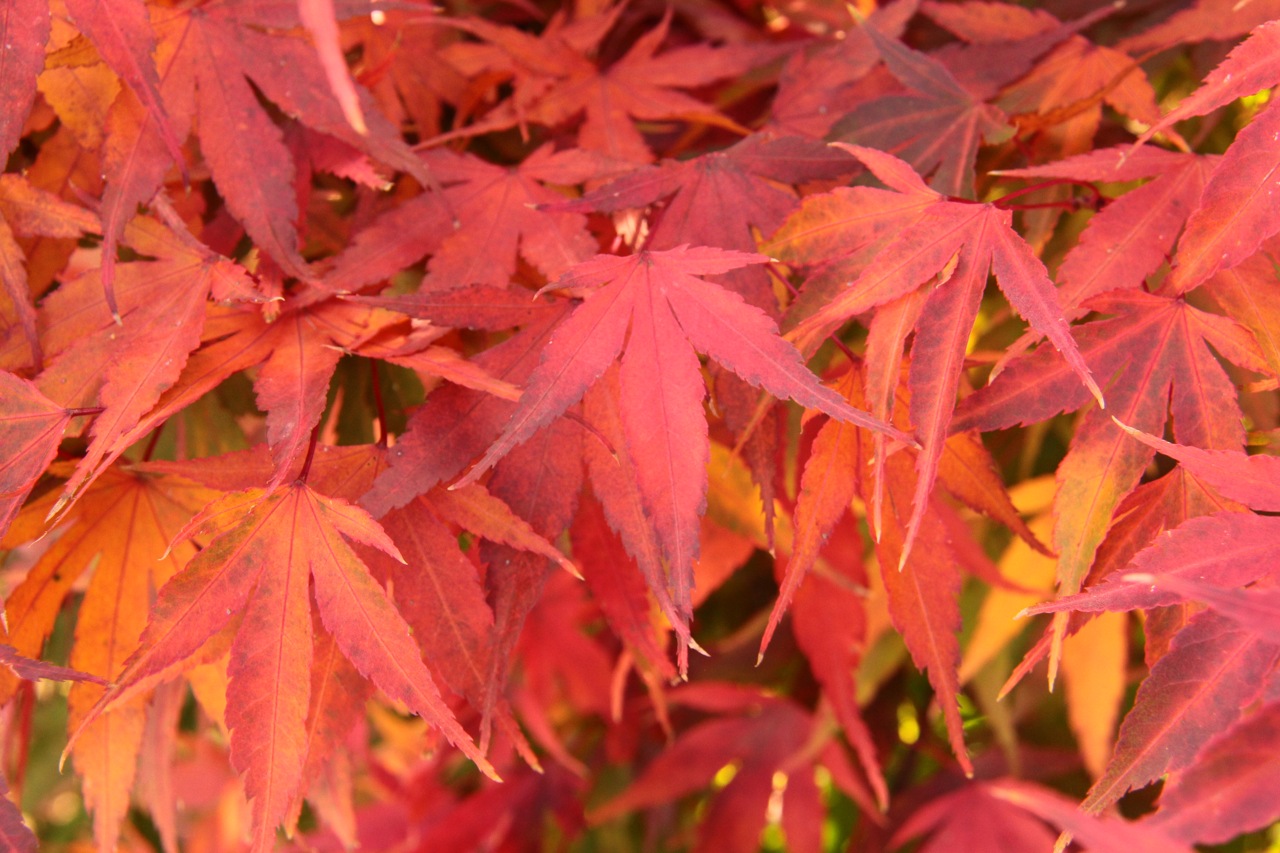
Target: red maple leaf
x,y
669,312
556,80
959,245
1223,654
210,54
1238,209
475,226
1153,343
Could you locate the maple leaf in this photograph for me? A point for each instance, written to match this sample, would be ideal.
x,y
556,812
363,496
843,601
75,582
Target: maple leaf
x,y
456,424
923,589
830,626
827,486
1134,234
1168,726
319,18
721,199
1105,834
1202,20
1178,372
1063,93
298,354
972,816
440,591
14,833
937,128
413,80
259,567
960,244
29,669
1254,609
612,470
508,814
939,124
555,81
28,210
164,304
1228,548
472,229
206,58
615,583
670,311
819,85
1237,210
239,311
123,37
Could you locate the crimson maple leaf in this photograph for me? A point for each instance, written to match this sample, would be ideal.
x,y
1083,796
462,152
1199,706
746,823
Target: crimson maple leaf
x,y
555,80
24,31
1202,20
1105,834
1226,655
1238,209
937,126
958,244
473,228
1157,352
208,55
127,367
669,312
821,84
943,118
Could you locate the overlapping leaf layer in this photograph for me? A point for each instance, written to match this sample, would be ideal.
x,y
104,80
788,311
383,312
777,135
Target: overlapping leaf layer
x,y
393,395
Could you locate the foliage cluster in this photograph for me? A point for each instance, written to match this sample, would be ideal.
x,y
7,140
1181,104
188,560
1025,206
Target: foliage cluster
x,y
392,397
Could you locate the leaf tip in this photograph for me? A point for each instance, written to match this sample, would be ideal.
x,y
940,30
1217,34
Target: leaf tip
x,y
568,566
57,509
1124,426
